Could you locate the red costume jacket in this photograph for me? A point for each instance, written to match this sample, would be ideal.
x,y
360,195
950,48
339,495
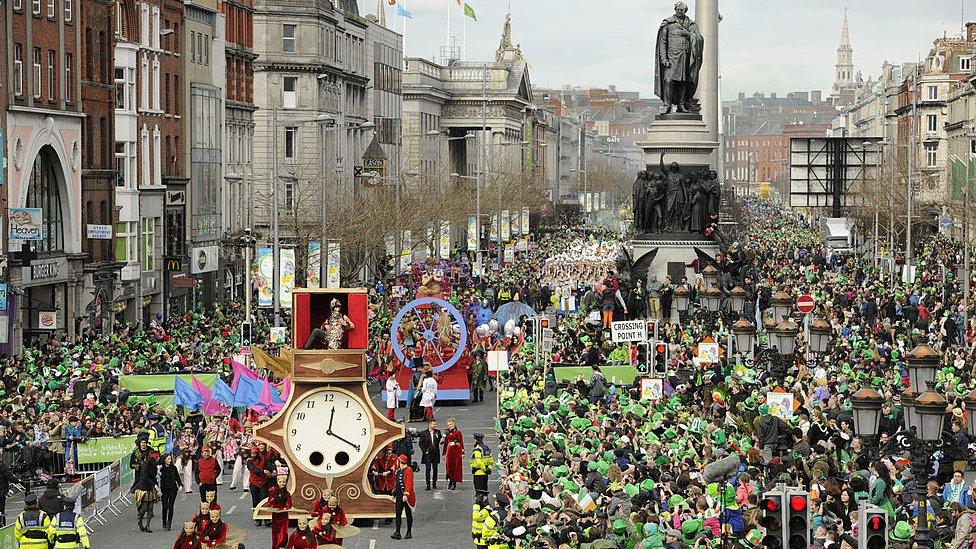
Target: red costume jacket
x,y
187,542
409,494
338,515
453,454
214,534
302,539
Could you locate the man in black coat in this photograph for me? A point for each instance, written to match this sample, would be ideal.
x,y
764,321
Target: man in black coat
x,y
430,455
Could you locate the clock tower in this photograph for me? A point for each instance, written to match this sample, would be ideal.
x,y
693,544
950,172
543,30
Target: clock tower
x,y
329,432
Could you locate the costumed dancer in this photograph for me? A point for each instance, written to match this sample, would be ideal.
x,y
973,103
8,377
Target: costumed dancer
x,y
280,500
404,496
453,453
215,532
303,537
146,490
328,503
188,538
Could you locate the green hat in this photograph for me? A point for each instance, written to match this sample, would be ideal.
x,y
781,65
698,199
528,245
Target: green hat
x,y
690,529
603,467
619,526
631,489
901,532
670,433
647,485
569,485
560,471
764,409
675,500
591,466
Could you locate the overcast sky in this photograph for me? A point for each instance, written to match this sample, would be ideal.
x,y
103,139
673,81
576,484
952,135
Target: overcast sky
x,y
765,45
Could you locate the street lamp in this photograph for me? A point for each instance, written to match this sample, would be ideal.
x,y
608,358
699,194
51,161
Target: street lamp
x,y
971,413
867,410
710,274
737,300
712,300
681,295
922,361
820,332
782,304
745,335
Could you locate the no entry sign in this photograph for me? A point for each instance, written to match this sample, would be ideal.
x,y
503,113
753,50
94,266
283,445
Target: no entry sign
x,y
805,304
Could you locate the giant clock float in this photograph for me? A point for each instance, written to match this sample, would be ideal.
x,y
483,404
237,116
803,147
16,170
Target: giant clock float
x,y
329,431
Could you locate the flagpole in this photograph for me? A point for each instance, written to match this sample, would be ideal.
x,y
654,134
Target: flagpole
x,y
464,37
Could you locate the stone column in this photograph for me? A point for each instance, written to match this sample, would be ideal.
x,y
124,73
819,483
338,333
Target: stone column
x,y
706,16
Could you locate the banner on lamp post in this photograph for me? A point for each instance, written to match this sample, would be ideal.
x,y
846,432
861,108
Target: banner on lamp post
x,y
525,221
264,277
286,277
506,227
493,230
445,240
313,269
515,220
472,233
406,249
334,261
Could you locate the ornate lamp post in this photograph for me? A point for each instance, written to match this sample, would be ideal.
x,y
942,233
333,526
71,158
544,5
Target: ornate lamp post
x,y
923,414
711,300
867,411
777,359
745,336
820,332
710,274
737,300
782,304
681,296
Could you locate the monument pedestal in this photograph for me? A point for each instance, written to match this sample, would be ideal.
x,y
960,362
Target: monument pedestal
x,y
682,138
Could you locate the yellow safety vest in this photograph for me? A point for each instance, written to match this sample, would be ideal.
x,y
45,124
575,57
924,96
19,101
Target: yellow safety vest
x,y
68,531
478,516
31,529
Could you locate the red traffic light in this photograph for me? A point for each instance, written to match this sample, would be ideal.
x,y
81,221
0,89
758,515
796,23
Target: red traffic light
x,y
770,504
798,503
876,524
545,322
660,348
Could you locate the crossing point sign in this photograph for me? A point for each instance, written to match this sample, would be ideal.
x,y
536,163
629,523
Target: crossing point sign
x,y
628,330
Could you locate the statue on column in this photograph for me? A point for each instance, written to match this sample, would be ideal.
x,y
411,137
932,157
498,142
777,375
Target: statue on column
x,y
677,197
677,60
656,195
640,198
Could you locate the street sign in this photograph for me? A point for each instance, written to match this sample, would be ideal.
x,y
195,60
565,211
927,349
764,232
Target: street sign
x,y
548,340
628,330
805,304
246,338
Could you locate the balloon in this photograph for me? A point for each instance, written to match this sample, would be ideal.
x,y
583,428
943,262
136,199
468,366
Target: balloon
x,y
482,330
510,327
493,324
517,331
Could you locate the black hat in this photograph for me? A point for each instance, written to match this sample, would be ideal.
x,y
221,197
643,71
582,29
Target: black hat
x,y
479,436
69,501
152,417
30,498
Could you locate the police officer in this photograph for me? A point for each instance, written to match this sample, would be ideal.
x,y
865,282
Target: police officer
x,y
31,527
68,528
157,434
479,514
481,464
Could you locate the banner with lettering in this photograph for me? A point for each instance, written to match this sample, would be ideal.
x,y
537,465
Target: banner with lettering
x,y
472,233
286,277
105,450
333,265
313,269
406,251
493,230
445,240
264,276
525,221
506,227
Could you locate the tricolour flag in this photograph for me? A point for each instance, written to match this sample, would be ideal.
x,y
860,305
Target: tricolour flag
x,y
403,12
469,11
585,502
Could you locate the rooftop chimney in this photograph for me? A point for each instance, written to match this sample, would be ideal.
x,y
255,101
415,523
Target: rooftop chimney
x,y
970,32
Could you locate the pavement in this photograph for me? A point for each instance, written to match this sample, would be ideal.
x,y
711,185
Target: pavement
x,y
442,518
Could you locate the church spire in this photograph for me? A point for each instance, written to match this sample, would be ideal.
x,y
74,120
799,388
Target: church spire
x,y
506,42
844,67
845,38
380,13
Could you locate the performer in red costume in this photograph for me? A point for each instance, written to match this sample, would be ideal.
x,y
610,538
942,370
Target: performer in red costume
x,y
453,453
215,534
303,537
329,503
280,500
324,529
188,538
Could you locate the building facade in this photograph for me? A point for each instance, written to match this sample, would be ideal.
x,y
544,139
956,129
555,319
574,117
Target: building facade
x,y
44,121
98,177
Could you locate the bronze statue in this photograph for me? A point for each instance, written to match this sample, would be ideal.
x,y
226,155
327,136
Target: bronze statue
x,y
676,195
640,196
658,193
678,59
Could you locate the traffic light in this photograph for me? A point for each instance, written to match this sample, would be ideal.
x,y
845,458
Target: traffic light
x,y
246,334
660,358
529,328
643,354
544,322
652,328
873,528
798,525
771,507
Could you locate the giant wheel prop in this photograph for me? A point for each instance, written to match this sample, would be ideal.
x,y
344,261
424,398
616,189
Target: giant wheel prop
x,y
424,312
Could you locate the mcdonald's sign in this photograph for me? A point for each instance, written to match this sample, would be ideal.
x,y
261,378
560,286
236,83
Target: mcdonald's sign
x,y
173,263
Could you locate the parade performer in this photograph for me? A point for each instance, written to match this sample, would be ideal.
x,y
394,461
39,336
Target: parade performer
x,y
188,538
303,537
331,333
404,496
215,532
328,503
280,500
453,451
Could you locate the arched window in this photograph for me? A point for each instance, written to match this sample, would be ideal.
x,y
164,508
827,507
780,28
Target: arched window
x,y
43,193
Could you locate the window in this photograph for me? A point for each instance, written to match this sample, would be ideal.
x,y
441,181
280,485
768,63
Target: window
x,y
19,69
119,18
120,89
289,196
36,82
42,192
933,92
931,154
36,7
157,178
52,75
50,8
144,87
148,244
144,24
155,82
126,240
965,64
18,5
193,47
206,49
932,122
68,83
67,11
288,38
177,95
144,153
289,98
154,24
121,163
291,133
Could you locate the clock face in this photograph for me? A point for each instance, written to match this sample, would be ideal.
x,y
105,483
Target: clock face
x,y
329,432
